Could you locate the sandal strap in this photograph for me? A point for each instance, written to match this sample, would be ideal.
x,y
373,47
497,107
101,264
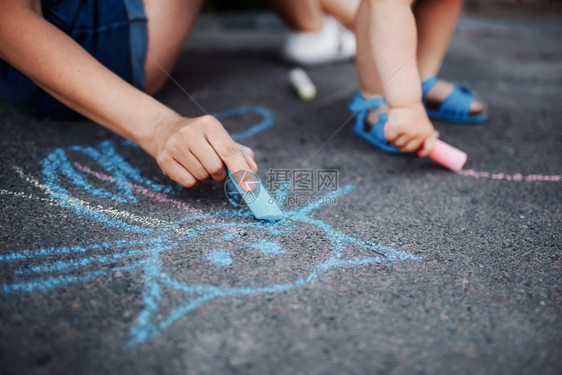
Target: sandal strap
x,y
458,102
428,84
360,103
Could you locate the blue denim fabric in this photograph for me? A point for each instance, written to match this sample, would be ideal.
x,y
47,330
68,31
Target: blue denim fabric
x,y
112,31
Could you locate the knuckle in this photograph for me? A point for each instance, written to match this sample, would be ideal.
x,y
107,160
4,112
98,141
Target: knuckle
x,y
220,178
200,175
209,120
216,170
173,142
162,159
186,132
229,149
247,151
188,182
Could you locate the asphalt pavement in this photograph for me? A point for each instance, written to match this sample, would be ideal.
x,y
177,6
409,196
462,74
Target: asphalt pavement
x,y
383,264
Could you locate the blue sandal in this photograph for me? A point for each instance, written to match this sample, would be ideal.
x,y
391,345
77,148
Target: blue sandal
x,y
375,135
455,108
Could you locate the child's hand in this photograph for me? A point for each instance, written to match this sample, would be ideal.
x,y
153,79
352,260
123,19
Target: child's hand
x,y
193,151
410,130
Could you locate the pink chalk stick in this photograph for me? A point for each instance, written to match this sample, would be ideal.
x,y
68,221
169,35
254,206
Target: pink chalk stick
x,y
448,156
445,154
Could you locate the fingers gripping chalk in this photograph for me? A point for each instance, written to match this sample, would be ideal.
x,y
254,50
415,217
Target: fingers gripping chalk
x,y
302,84
258,200
448,156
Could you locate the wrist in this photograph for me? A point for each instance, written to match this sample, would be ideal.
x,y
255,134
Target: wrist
x,y
152,127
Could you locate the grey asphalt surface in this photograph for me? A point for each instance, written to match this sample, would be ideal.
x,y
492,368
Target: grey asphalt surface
x,y
483,295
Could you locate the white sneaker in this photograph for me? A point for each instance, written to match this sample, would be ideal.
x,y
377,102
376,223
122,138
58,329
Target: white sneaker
x,y
333,43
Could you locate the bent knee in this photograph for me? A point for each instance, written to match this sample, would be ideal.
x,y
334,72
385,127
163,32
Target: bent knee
x,y
154,79
169,24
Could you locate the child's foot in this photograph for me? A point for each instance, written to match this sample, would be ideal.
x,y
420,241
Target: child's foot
x,y
441,91
396,130
449,102
373,116
370,120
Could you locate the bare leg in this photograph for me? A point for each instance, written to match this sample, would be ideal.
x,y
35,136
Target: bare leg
x,y
379,56
436,21
386,64
342,10
301,15
306,15
369,81
169,24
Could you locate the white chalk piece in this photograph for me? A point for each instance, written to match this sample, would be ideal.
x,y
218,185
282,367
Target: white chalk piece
x,y
302,84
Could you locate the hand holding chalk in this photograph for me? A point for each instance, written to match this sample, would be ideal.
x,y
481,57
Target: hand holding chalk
x,y
257,198
446,155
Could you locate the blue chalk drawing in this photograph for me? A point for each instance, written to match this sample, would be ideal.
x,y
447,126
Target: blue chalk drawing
x,y
268,247
151,242
267,120
219,257
229,236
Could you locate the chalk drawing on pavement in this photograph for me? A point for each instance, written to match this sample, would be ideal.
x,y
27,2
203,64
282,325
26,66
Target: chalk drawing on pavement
x,y
106,189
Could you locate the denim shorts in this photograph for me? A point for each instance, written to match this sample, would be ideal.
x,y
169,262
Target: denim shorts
x,y
113,31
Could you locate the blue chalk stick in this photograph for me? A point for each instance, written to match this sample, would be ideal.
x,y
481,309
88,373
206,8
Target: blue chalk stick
x,y
259,201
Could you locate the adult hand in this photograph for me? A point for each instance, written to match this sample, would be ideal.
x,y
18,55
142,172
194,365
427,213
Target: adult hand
x,y
196,150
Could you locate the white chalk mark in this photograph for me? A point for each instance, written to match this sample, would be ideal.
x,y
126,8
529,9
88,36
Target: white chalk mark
x,y
114,213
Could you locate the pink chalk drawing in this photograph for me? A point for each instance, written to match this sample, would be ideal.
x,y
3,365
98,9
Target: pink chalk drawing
x,y
509,177
156,196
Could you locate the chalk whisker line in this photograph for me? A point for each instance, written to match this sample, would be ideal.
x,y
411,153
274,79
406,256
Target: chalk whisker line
x,y
65,199
82,249
69,265
196,214
21,194
50,283
156,196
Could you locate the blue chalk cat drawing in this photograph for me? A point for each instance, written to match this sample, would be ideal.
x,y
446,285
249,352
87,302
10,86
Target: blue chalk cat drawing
x,y
191,254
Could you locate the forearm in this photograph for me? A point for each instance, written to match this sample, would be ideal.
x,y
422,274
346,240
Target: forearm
x,y
393,45
65,70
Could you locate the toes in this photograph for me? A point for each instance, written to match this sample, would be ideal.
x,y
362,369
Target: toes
x,y
476,107
373,117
